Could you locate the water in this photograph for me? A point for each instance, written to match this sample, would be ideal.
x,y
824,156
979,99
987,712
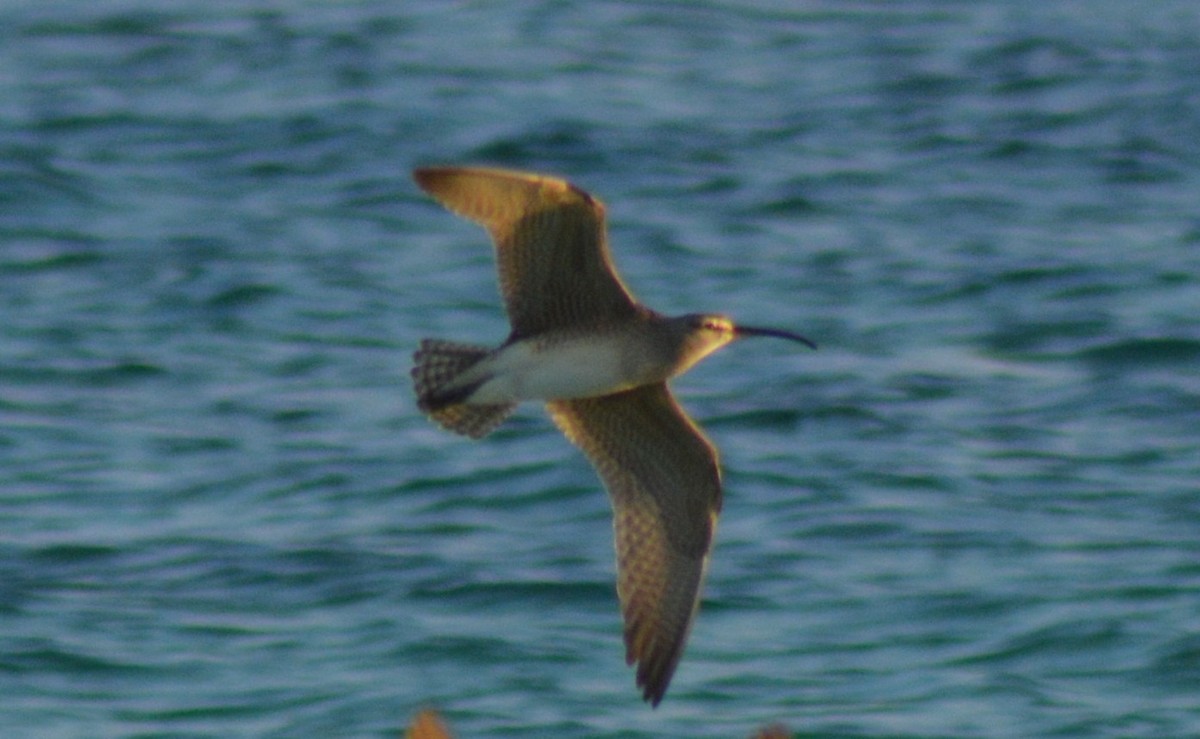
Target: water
x,y
973,513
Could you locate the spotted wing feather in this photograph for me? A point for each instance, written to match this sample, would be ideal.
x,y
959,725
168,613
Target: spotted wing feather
x,y
664,481
551,246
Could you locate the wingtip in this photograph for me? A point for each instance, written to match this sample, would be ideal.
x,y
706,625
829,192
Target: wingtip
x,y
654,675
654,694
425,176
654,687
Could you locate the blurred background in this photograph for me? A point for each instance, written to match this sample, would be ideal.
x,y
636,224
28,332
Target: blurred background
x,y
974,512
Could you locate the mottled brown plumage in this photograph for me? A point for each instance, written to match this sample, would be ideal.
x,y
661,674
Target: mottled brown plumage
x,y
551,246
665,485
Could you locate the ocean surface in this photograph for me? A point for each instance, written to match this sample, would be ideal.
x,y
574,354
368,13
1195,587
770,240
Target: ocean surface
x,y
973,512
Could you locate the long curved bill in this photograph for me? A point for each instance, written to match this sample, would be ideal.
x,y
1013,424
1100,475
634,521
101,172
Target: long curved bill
x,y
778,333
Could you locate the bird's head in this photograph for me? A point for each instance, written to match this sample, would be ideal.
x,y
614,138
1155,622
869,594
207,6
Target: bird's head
x,y
704,333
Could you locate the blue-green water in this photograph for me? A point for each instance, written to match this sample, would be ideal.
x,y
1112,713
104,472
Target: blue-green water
x,y
975,512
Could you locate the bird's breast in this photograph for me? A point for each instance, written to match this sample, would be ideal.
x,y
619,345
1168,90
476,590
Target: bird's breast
x,y
561,369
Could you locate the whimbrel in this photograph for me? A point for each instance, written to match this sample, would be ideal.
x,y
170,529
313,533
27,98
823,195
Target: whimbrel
x,y
600,361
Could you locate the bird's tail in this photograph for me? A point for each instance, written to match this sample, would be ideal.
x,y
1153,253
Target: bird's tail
x,y
436,365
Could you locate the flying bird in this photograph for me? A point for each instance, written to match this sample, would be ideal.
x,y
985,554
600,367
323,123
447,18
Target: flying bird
x,y
600,360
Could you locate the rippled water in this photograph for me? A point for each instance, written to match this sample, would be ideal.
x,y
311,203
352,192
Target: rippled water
x,y
973,513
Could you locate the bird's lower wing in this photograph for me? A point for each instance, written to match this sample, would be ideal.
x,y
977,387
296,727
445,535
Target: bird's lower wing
x,y
664,480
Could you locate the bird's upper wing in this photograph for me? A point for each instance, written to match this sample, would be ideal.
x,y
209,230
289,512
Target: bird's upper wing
x,y
665,483
551,246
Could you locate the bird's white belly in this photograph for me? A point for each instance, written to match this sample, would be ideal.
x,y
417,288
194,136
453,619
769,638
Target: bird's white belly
x,y
571,368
